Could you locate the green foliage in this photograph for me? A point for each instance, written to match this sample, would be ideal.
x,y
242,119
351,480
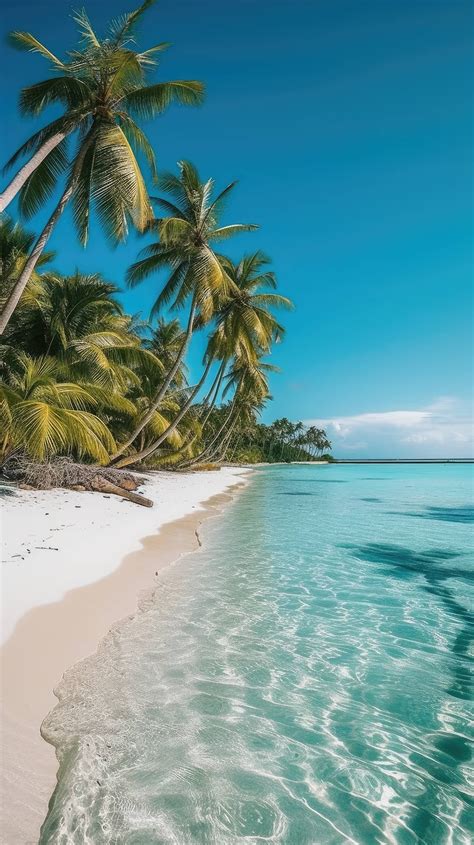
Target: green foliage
x,y
100,87
184,244
78,376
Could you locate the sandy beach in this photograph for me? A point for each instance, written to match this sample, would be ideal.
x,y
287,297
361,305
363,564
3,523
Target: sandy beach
x,y
73,564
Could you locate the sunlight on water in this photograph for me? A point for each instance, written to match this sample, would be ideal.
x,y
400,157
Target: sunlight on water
x,y
304,679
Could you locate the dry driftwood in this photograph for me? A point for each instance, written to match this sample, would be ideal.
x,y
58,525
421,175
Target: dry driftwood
x,y
64,472
102,485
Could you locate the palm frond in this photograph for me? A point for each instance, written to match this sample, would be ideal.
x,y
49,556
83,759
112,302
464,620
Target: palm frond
x,y
67,90
151,100
26,41
42,182
122,28
85,28
229,231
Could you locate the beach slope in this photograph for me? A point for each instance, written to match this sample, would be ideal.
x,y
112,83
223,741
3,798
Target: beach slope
x,y
72,565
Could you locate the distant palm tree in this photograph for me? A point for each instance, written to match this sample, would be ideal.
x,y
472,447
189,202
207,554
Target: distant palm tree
x,y
245,328
102,86
186,246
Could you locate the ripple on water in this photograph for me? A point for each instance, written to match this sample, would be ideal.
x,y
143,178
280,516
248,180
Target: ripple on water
x,y
304,679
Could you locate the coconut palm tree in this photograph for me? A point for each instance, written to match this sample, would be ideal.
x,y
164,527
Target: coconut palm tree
x,y
248,409
103,87
15,244
44,416
165,342
78,320
246,325
248,379
185,245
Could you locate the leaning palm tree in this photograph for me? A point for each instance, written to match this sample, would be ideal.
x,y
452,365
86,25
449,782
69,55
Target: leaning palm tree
x,y
102,87
44,416
246,328
248,379
245,324
248,409
245,320
186,238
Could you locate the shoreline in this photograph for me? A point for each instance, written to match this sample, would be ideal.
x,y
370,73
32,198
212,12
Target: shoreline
x,y
51,637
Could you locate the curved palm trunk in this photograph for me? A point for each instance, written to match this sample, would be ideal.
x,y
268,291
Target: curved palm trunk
x,y
145,453
163,389
219,452
35,254
25,172
215,391
214,388
181,449
236,446
215,439
217,384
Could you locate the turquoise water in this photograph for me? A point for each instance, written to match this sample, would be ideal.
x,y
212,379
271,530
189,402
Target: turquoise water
x,y
304,678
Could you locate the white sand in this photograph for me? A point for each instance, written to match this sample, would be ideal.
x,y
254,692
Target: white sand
x,y
57,540
73,564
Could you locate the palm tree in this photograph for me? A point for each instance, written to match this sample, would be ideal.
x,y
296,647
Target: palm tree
x,y
102,87
245,421
165,342
248,379
245,323
44,416
15,244
245,327
77,320
197,275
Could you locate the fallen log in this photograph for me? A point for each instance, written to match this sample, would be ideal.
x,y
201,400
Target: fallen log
x,y
102,485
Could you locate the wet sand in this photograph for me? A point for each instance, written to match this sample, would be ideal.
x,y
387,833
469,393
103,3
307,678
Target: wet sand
x,y
48,640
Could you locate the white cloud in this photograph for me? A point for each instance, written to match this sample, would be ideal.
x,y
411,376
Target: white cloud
x,y
444,428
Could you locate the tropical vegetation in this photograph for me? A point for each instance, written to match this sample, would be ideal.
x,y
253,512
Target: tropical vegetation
x,y
78,376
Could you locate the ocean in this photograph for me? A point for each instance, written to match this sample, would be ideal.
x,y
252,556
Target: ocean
x,y
304,678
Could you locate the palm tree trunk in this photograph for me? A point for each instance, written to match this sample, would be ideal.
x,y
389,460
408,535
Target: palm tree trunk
x,y
163,389
30,265
218,382
44,237
25,172
220,450
237,443
145,453
214,389
216,436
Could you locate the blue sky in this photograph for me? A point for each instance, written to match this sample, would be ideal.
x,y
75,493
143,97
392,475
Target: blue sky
x,y
349,126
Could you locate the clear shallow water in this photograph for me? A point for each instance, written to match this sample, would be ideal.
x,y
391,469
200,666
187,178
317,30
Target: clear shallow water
x,y
304,679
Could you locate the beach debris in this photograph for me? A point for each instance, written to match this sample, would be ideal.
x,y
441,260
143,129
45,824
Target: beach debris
x,y
103,485
64,472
